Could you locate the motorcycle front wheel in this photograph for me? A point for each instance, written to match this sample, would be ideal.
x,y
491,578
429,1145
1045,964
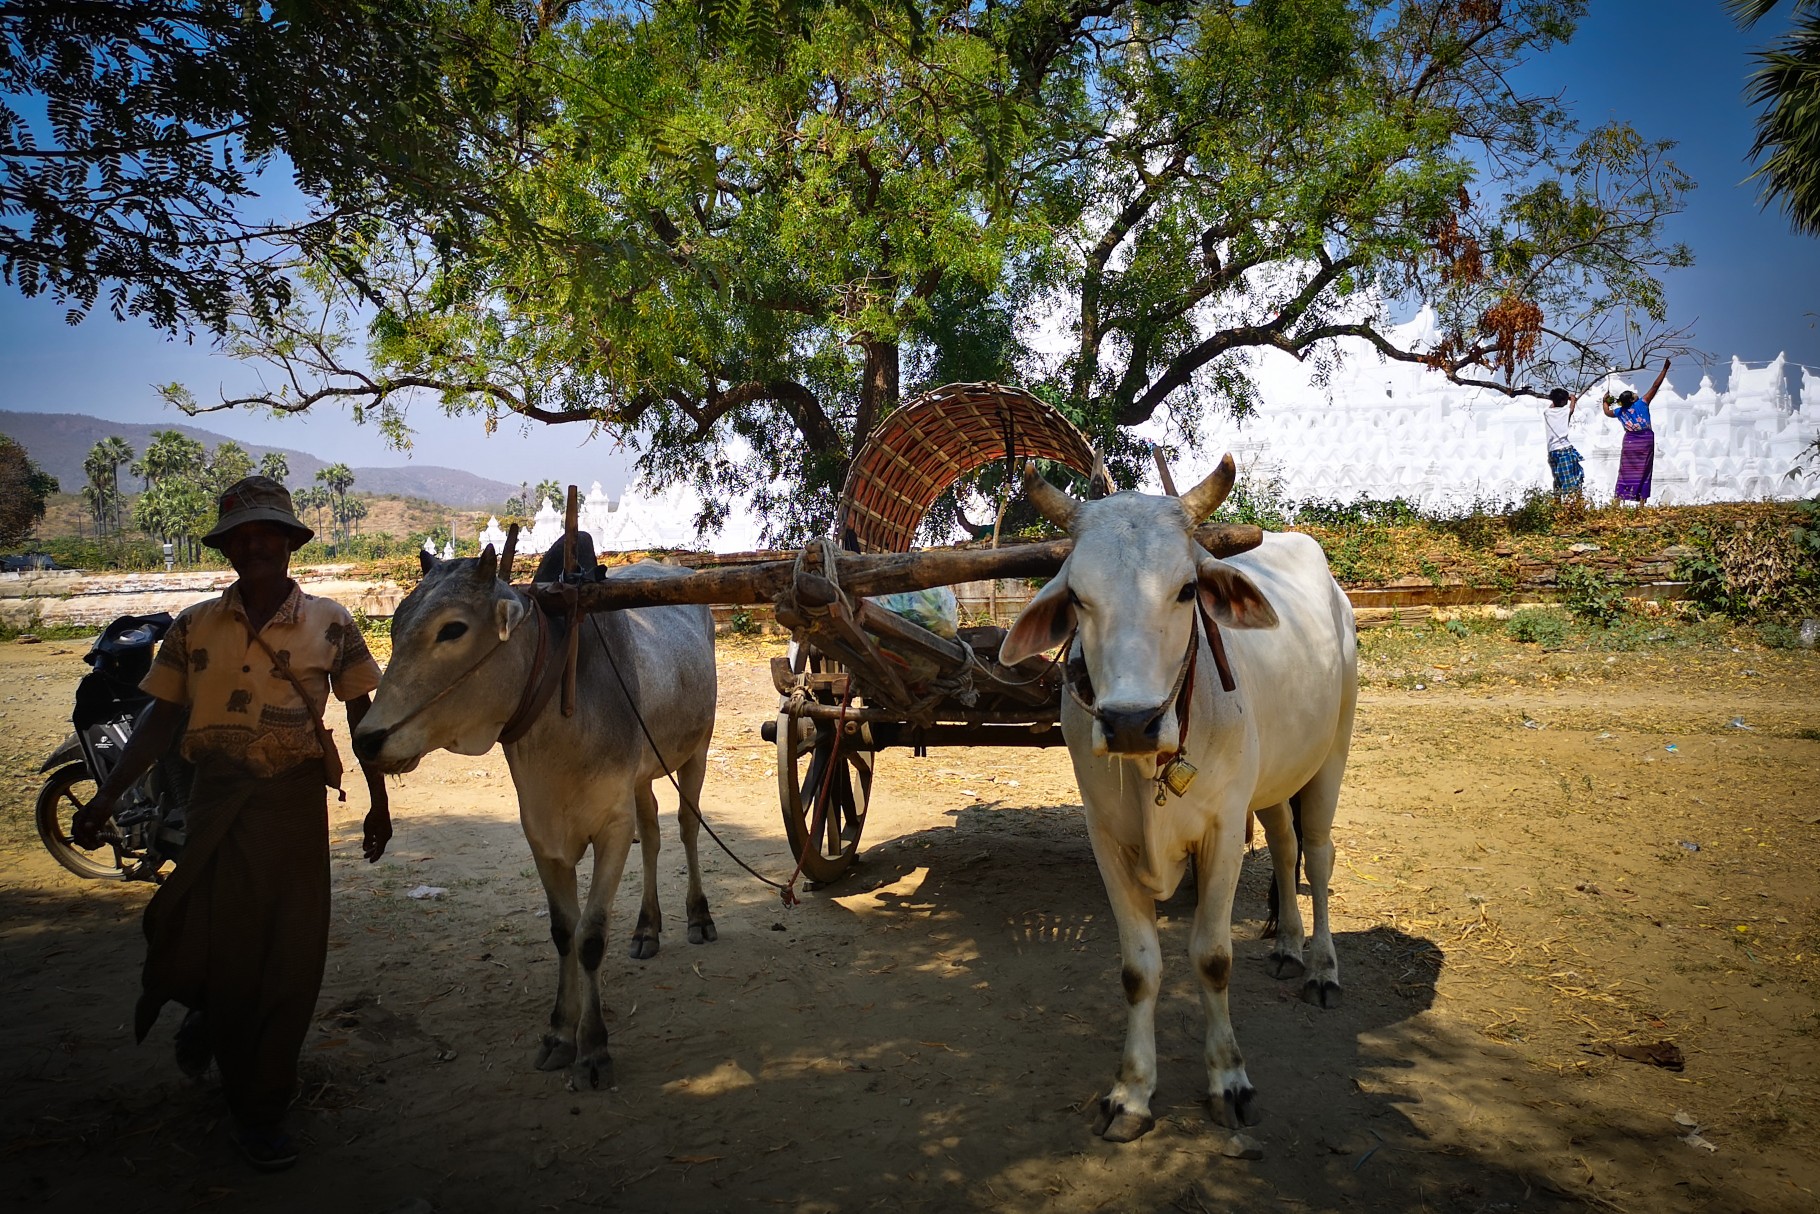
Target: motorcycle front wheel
x,y
68,790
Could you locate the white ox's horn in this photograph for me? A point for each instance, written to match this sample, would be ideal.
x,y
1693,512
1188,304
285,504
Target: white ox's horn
x,y
1049,501
1205,498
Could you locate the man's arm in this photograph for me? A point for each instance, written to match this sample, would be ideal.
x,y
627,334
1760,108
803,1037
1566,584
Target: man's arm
x,y
1650,395
377,830
155,733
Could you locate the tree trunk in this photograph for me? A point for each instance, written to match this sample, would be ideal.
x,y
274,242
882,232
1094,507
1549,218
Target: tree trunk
x,y
878,390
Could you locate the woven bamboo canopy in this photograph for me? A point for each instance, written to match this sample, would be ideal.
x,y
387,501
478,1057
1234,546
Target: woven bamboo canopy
x,y
939,437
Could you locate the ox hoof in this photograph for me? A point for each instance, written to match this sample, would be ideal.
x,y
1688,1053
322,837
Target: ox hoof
x,y
1286,965
1116,1123
594,1071
1322,992
703,933
555,1053
1232,1107
644,947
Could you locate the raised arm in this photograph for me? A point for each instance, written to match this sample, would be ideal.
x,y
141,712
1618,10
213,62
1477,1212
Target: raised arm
x,y
1650,395
1610,406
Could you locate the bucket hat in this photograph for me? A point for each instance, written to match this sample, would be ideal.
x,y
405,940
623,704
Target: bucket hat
x,y
258,499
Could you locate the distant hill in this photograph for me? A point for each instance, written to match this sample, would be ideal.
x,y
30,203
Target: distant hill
x,y
59,442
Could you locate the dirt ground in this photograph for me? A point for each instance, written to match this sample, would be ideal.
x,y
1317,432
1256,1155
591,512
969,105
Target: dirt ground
x,y
1550,865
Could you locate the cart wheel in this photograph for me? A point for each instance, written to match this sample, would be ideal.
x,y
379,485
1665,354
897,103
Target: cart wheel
x,y
824,835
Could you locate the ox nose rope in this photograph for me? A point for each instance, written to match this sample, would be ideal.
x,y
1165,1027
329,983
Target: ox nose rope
x,y
530,701
1175,773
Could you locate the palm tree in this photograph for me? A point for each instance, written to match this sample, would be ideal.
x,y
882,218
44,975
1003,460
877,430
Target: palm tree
x,y
336,480
228,464
310,500
354,509
551,492
116,451
274,465
1787,83
94,491
102,492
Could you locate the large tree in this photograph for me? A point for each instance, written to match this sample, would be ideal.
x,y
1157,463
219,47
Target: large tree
x,y
23,488
133,136
736,247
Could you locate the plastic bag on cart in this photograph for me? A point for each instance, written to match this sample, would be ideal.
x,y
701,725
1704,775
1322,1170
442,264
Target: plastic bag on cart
x,y
935,609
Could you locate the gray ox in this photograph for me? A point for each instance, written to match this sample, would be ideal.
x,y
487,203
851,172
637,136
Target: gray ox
x,y
1127,596
475,662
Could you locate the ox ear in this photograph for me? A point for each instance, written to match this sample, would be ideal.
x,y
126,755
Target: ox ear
x,y
488,568
425,560
508,612
1231,598
1044,623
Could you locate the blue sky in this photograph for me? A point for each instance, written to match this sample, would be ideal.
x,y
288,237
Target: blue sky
x,y
1674,69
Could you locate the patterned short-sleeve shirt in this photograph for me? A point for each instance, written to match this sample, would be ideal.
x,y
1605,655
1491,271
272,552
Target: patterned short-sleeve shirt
x,y
242,708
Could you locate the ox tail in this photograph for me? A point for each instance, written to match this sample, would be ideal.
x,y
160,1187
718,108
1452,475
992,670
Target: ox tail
x,y
1295,819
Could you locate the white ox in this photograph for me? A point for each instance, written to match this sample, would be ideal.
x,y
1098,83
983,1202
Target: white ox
x,y
475,662
1127,597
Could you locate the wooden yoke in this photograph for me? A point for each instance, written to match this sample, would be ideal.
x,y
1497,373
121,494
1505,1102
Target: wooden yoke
x,y
861,575
570,601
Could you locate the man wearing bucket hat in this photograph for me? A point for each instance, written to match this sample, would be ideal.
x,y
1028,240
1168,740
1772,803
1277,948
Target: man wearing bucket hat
x,y
239,932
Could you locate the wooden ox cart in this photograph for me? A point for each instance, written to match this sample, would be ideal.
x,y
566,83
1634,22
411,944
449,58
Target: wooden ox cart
x,y
862,679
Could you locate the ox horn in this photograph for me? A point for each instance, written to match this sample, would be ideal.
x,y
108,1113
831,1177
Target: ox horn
x,y
1049,501
1205,498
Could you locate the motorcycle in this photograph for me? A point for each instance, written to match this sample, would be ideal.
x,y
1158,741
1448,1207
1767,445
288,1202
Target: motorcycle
x,y
147,829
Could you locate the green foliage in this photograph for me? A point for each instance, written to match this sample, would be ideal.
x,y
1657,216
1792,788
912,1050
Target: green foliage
x,y
227,464
1536,515
159,116
1786,83
1257,499
741,623
1361,512
1590,596
23,488
371,626
1757,570
1458,629
1475,526
123,553
734,236
1538,626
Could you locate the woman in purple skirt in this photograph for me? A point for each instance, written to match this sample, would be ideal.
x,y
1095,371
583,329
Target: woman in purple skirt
x,y
1637,462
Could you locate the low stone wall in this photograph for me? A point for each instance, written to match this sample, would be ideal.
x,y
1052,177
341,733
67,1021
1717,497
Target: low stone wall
x,y
69,598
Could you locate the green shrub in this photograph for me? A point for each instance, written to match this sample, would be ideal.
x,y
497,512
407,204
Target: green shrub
x,y
1774,634
370,625
742,624
1538,626
1590,596
1757,570
1475,525
1536,514
1362,512
1458,628
1258,500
